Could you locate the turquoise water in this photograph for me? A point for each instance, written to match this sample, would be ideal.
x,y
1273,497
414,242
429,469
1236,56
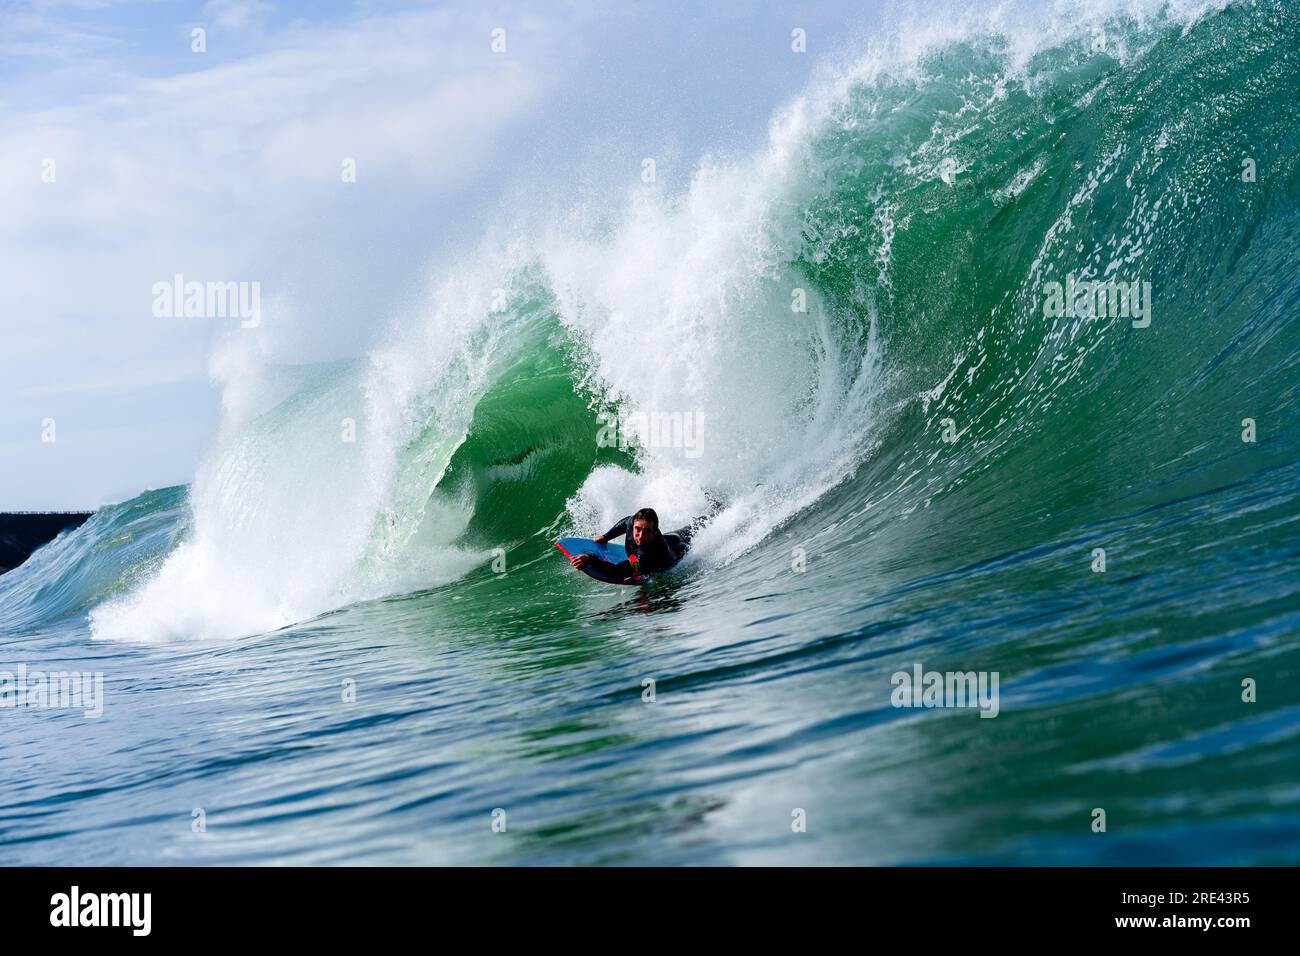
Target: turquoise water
x,y
356,650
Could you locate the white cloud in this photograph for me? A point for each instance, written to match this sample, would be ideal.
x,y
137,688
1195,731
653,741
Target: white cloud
x,y
237,14
231,171
126,380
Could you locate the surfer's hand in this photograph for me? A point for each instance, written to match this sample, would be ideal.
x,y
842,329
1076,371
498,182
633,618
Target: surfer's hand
x,y
578,560
599,539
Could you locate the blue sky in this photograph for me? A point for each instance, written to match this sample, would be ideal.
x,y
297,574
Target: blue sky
x,y
225,166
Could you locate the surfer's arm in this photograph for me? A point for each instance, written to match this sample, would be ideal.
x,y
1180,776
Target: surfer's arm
x,y
621,571
614,532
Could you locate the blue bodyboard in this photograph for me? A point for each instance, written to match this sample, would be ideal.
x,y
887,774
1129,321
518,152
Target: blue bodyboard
x,y
613,553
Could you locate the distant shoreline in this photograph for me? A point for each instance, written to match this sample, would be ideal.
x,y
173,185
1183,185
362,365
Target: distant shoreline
x,y
22,532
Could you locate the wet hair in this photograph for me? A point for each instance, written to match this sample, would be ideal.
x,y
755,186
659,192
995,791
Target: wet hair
x,y
647,514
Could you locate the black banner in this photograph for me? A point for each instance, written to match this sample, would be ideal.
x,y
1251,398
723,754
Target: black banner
x,y
936,905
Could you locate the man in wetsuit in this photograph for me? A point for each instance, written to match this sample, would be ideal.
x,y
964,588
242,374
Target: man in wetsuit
x,y
648,551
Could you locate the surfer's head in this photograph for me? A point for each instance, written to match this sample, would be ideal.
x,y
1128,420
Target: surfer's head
x,y
645,525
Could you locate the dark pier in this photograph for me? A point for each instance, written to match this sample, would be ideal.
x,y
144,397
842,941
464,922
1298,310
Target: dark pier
x,y
22,532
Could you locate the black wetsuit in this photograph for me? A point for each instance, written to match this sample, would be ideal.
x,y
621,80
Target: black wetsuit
x,y
663,551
